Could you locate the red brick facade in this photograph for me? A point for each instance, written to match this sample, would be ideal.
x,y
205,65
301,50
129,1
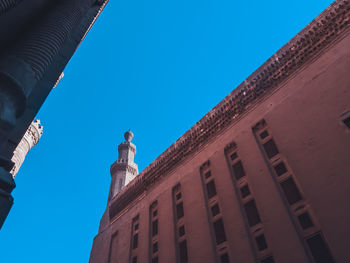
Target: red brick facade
x,y
263,177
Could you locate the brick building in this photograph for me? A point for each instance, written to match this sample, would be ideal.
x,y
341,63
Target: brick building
x,y
263,177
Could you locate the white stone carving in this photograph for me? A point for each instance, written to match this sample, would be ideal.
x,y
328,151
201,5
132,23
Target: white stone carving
x,y
29,140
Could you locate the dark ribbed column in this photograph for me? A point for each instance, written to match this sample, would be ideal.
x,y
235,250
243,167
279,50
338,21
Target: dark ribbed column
x,y
23,65
27,60
6,5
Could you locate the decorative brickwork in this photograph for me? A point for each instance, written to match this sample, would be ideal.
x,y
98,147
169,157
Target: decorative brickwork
x,y
302,49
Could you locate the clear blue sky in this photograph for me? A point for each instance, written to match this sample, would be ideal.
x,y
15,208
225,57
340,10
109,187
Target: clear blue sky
x,y
155,67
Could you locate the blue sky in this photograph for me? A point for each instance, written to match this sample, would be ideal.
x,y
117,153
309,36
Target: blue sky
x,y
153,66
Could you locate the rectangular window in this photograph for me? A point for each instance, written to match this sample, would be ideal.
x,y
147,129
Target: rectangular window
x,y
291,191
207,175
270,148
252,213
135,241
233,156
178,196
319,249
305,220
211,189
155,247
219,231
183,252
154,228
261,242
245,191
264,134
224,258
280,169
238,170
179,211
268,260
155,260
215,210
134,238
181,231
155,213
347,122
113,249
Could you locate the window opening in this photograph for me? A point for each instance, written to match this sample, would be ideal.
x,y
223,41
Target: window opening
x,y
219,231
179,210
305,220
252,213
245,191
261,242
280,169
224,258
291,191
183,252
270,148
319,249
211,189
215,210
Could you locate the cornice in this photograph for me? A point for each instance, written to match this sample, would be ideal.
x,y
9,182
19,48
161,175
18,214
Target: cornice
x,y
298,52
102,4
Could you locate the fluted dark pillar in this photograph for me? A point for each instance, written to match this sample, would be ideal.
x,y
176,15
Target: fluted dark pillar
x,y
6,5
28,59
24,65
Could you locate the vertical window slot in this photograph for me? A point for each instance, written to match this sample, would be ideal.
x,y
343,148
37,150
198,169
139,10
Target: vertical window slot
x,y
261,242
347,122
179,211
305,220
224,258
319,249
211,189
245,191
154,228
183,252
219,230
270,148
238,170
215,210
181,231
252,213
135,241
280,169
291,191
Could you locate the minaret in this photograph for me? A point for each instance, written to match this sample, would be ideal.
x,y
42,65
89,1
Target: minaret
x,y
124,169
29,140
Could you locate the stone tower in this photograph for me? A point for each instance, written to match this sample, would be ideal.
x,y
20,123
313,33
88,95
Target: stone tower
x,y
123,170
29,140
